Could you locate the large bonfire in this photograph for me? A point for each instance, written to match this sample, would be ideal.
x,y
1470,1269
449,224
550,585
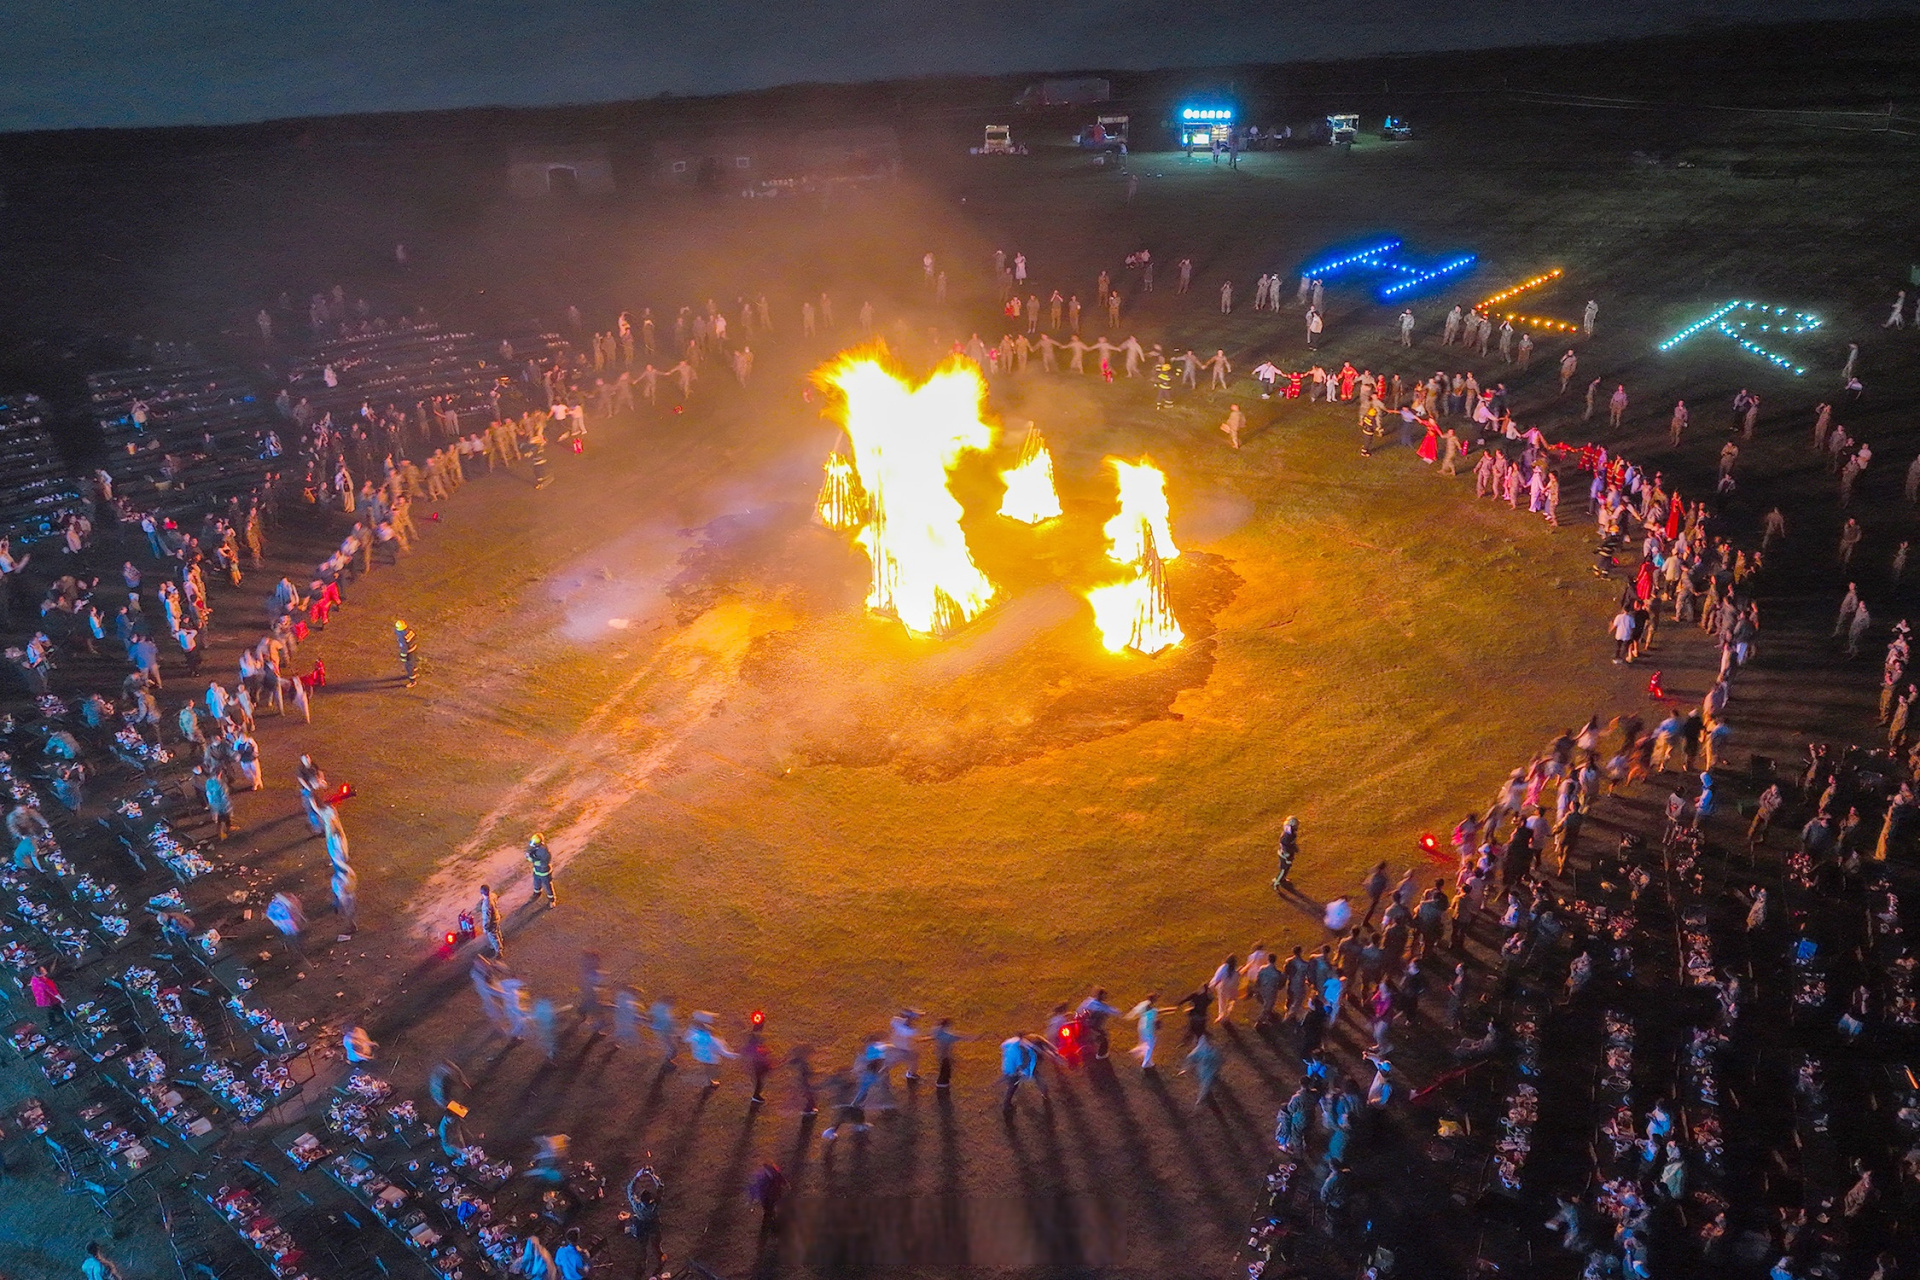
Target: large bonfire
x,y
1134,613
1143,497
1031,497
904,441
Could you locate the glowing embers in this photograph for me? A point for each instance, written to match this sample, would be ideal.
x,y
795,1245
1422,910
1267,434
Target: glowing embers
x,y
1134,613
905,440
1031,497
1740,320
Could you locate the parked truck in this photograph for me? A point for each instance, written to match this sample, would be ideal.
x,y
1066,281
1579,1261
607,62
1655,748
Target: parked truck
x,y
1108,133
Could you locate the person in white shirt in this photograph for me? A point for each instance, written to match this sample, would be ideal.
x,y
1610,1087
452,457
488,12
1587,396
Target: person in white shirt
x,y
903,1036
1225,985
1338,915
1622,631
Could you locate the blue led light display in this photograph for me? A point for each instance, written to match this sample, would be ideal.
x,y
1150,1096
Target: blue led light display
x,y
1371,256
1730,321
1453,267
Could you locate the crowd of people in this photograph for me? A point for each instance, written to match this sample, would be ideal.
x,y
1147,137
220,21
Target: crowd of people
x,y
1537,946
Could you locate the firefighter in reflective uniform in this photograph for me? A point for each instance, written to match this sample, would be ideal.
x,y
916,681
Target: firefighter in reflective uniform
x,y
409,643
1163,386
537,449
540,858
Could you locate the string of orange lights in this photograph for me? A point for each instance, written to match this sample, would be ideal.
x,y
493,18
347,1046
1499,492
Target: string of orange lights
x,y
1518,289
1485,305
1540,322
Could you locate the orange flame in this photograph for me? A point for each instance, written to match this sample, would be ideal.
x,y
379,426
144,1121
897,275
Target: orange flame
x,y
1143,497
905,440
1135,614
1031,497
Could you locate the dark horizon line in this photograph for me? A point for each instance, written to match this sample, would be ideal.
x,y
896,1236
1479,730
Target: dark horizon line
x,y
1692,28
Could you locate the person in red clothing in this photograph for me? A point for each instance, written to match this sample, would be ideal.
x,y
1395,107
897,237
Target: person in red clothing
x,y
47,997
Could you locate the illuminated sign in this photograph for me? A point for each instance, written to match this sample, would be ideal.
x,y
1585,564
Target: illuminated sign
x,y
1371,255
1736,319
1421,277
1385,256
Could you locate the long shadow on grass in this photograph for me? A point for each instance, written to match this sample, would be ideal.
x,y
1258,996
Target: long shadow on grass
x,y
1205,1176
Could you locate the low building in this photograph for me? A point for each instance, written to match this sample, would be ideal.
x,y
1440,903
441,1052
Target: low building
x,y
860,151
561,170
718,160
744,160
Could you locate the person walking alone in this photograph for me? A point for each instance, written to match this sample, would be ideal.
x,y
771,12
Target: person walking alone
x,y
540,858
47,997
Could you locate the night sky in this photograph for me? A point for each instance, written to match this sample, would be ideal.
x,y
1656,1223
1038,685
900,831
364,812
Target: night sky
x,y
66,63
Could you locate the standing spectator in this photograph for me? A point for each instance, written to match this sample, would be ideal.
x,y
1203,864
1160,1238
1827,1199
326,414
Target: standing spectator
x,y
1849,539
96,1265
487,917
219,801
47,997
